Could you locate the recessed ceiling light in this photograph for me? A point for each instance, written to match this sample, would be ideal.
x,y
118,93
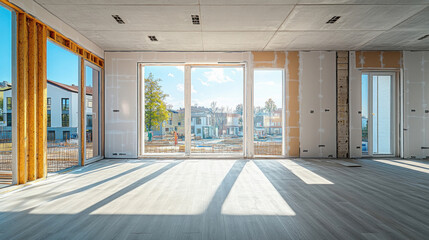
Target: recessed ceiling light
x,y
118,19
153,38
333,19
195,19
424,37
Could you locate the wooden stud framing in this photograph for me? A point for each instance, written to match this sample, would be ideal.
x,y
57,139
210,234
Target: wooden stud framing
x,y
32,99
41,103
73,47
21,82
31,93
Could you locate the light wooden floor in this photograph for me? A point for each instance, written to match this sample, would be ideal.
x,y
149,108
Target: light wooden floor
x,y
224,199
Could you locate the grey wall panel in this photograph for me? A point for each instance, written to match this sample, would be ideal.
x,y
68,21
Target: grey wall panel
x,y
318,95
121,108
416,80
355,107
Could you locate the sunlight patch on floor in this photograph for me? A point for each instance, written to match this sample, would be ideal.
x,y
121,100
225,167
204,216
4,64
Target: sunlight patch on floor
x,y
92,196
418,164
394,163
304,174
253,194
185,189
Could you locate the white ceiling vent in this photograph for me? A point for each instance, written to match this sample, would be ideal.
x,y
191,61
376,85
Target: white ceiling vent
x,y
118,19
195,19
333,19
153,38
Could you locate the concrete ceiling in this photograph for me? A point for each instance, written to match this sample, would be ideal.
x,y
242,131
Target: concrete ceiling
x,y
243,25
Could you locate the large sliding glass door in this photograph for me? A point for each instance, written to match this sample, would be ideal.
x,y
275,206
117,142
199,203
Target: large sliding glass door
x,y
63,104
378,114
211,121
92,112
217,110
164,109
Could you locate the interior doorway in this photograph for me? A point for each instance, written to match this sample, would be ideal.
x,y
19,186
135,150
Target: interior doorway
x,y
378,114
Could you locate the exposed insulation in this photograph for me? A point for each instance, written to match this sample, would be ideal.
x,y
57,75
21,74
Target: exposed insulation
x,y
342,104
378,59
292,107
269,59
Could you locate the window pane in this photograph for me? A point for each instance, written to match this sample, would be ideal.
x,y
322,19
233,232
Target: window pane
x,y
374,114
164,109
217,110
92,98
365,113
63,114
268,95
5,95
384,114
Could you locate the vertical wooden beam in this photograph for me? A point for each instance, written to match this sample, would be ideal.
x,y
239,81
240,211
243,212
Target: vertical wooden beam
x,y
41,103
32,99
82,111
22,80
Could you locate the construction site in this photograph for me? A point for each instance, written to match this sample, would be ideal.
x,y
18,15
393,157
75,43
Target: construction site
x,y
202,119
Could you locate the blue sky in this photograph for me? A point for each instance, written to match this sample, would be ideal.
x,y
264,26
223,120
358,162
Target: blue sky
x,y
5,45
268,84
88,76
62,65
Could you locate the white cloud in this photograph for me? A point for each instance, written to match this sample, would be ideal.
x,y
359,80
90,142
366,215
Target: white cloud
x,y
217,75
181,68
203,82
181,88
171,75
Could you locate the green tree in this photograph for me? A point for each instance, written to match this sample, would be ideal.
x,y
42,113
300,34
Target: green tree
x,y
270,107
155,106
239,110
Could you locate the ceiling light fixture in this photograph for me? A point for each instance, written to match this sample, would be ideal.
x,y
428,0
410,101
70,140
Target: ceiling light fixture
x,y
333,19
118,19
153,38
195,19
424,37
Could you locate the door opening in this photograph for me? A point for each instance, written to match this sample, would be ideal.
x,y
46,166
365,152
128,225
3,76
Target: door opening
x,y
378,114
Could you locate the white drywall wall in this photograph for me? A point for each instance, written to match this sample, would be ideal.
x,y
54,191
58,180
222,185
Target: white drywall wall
x,y
54,22
121,77
318,104
416,103
355,107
